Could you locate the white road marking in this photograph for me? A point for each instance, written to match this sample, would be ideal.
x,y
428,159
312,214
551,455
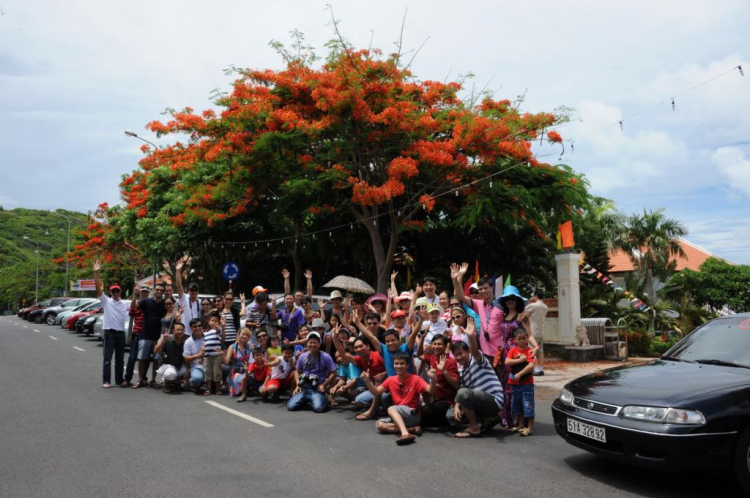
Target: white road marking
x,y
25,326
53,337
79,349
35,330
239,414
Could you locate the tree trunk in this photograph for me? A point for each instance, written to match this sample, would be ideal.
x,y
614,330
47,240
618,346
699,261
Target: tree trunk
x,y
650,290
297,255
383,255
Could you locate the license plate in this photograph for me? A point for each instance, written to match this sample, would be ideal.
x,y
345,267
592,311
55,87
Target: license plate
x,y
587,430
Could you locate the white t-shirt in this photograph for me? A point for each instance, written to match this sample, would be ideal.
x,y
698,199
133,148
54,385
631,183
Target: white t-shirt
x,y
537,313
190,310
433,329
282,370
115,313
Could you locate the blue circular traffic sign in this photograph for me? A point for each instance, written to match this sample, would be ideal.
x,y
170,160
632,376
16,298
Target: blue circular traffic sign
x,y
231,271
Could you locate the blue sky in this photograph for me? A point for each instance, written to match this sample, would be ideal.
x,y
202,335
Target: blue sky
x,y
76,74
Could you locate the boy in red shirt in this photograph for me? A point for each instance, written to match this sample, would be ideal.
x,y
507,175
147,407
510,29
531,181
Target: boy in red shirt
x,y
405,414
520,359
257,373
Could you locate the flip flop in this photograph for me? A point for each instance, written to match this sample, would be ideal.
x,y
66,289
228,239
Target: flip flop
x,y
362,416
242,399
525,433
466,435
404,440
140,384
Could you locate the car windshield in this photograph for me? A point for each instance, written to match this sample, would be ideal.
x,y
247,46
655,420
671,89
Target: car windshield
x,y
46,303
91,306
723,341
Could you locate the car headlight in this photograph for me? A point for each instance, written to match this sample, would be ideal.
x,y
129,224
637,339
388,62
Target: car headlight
x,y
661,415
684,417
566,397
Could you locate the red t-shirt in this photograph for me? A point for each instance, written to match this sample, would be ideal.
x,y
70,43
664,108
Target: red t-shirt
x,y
259,372
406,392
443,390
375,366
514,353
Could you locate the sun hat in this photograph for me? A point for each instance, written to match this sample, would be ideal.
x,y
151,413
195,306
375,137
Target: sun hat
x,y
336,295
509,291
257,289
433,307
404,296
377,297
398,313
319,324
422,301
474,286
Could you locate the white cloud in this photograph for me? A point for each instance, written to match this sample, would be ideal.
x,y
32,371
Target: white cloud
x,y
734,166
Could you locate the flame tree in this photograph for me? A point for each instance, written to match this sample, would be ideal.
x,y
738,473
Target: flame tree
x,y
357,139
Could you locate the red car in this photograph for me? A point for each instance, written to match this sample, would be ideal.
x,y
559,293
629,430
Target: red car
x,y
72,319
41,305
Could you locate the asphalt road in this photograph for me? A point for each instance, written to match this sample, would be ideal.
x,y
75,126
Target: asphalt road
x,y
63,435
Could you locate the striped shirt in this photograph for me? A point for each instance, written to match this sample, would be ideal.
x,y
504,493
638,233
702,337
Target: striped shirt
x,y
212,343
230,331
482,377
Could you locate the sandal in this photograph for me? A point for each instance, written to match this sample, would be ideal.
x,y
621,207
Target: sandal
x,y
242,399
467,435
417,431
364,416
139,384
207,392
525,432
153,384
404,440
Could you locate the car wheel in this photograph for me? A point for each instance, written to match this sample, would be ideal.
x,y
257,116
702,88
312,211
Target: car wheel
x,y
742,461
50,318
38,319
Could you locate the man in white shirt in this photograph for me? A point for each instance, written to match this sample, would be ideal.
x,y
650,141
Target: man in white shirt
x,y
190,305
536,310
115,316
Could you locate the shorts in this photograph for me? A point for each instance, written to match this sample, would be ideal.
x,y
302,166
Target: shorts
x,y
522,400
146,349
412,417
212,368
280,384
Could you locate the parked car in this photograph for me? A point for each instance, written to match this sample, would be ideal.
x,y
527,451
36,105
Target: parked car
x,y
87,302
99,329
55,301
69,321
688,410
48,315
85,325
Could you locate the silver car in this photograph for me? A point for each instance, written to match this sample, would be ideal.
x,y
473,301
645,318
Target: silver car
x,y
60,316
49,315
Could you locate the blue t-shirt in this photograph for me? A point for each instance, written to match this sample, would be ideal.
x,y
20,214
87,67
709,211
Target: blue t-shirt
x,y
388,358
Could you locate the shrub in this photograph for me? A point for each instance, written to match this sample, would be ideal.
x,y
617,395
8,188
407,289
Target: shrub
x,y
660,347
638,343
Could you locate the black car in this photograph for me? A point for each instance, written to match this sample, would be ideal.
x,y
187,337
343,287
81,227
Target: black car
x,y
688,410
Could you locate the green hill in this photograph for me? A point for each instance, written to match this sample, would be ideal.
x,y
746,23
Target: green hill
x,y
18,257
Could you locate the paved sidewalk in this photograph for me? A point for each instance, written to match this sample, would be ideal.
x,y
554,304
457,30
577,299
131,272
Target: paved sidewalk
x,y
557,372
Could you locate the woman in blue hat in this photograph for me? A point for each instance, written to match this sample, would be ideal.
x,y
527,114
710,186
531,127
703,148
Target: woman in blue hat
x,y
513,304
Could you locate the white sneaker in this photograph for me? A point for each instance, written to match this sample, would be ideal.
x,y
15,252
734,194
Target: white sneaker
x,y
106,385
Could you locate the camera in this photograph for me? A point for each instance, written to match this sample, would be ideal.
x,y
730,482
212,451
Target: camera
x,y
312,379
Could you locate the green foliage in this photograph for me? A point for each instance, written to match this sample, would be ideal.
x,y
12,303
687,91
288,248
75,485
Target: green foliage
x,y
18,256
718,284
638,343
659,347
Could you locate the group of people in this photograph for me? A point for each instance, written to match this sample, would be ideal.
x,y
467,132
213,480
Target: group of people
x,y
461,361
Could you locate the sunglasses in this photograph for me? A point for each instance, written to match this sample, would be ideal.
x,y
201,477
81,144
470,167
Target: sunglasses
x,y
456,317
372,324
261,336
206,304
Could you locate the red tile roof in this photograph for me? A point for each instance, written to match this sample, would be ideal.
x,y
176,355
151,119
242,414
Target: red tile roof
x,y
620,262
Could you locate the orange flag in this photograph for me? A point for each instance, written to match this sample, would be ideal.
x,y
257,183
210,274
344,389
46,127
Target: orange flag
x,y
566,233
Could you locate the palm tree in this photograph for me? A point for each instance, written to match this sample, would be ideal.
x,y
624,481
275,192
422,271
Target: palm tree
x,y
651,240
